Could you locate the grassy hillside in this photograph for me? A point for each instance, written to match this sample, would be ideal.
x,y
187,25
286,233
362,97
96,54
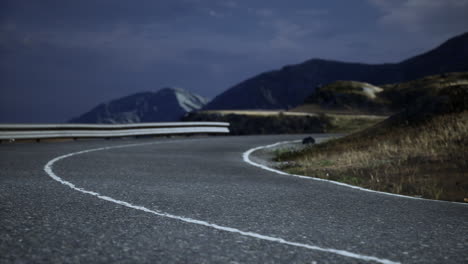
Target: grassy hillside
x,y
359,97
421,151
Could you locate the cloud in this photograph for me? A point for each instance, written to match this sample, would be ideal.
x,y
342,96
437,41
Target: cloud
x,y
230,4
264,12
108,48
313,12
214,13
90,13
288,35
436,16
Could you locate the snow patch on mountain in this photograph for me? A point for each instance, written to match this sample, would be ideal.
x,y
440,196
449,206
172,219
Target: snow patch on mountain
x,y
165,105
189,101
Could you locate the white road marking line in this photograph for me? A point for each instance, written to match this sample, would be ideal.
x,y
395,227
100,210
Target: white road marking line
x,y
48,169
246,158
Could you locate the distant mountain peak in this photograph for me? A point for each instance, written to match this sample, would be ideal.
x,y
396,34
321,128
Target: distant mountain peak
x,y
164,105
288,86
169,89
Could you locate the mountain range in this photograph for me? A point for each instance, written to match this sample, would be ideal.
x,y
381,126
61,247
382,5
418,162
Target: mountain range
x,y
289,86
165,105
285,88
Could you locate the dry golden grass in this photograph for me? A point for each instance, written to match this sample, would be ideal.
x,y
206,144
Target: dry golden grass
x,y
351,123
428,160
421,151
317,109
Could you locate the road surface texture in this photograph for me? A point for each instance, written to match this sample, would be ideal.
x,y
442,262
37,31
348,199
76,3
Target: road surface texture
x,y
195,200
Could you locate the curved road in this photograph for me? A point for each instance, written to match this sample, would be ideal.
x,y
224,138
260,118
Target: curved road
x,y
195,200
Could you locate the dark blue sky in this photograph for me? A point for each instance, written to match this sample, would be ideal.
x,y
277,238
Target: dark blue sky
x,y
60,58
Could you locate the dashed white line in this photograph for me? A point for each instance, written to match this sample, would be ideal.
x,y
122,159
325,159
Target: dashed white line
x,y
48,168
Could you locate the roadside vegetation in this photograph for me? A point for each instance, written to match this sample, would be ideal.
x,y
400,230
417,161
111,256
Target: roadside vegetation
x,y
340,123
249,124
243,123
422,151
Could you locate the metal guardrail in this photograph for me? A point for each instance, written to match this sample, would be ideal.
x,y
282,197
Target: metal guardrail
x,y
13,132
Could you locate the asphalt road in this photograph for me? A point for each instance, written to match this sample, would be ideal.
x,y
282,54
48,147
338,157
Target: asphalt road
x,y
195,200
